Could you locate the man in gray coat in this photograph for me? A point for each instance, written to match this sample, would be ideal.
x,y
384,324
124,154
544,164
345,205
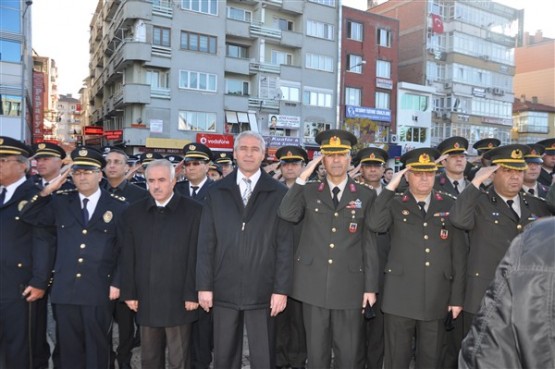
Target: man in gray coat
x,y
336,263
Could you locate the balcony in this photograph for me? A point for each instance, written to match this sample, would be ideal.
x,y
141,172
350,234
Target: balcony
x,y
238,28
110,8
237,103
264,67
259,104
256,29
132,93
130,11
236,65
132,51
292,39
293,6
163,8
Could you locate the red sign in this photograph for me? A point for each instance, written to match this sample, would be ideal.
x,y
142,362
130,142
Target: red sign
x,y
216,142
38,105
113,135
93,131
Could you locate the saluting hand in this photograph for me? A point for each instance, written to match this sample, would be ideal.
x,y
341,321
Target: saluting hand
x,y
305,175
483,174
56,183
132,171
441,158
355,172
396,180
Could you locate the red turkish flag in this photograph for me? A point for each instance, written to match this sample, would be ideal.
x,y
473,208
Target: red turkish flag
x,y
437,24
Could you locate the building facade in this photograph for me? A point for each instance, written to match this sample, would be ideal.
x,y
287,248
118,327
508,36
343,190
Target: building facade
x,y
465,49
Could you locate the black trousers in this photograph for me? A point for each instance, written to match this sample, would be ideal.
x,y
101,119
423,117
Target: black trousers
x,y
154,341
375,343
228,338
125,318
291,336
202,340
399,334
340,330
453,340
84,335
14,333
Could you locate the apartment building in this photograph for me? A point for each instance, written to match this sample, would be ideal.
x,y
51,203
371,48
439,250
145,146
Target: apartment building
x,y
465,50
169,72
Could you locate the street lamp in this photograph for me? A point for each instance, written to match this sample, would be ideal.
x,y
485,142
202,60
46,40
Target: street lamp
x,y
28,3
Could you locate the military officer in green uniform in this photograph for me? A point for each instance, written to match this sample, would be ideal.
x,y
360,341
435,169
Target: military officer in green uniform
x,y
336,263
493,218
425,267
453,152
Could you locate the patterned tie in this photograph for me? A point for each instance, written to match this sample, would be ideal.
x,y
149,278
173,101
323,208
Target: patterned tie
x,y
456,185
3,195
335,199
248,191
422,206
195,189
510,203
85,211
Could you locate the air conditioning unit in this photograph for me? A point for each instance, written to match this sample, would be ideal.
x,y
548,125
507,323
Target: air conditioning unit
x,y
498,91
393,138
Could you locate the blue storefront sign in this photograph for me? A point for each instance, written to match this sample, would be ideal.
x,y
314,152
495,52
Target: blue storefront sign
x,y
382,115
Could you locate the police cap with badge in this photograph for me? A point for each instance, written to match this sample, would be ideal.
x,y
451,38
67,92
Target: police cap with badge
x,y
87,158
549,145
486,144
509,156
421,159
455,145
372,156
223,158
291,154
535,154
108,149
197,152
217,167
10,146
335,141
48,150
147,157
174,159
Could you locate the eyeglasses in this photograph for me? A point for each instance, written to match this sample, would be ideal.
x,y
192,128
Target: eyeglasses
x,y
193,163
5,160
78,173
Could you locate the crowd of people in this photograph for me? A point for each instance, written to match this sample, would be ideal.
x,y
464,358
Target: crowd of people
x,y
330,261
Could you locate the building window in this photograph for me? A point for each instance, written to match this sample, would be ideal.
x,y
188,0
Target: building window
x,y
354,30
239,14
290,92
383,69
236,51
311,130
10,51
280,57
413,134
201,6
197,81
414,102
158,79
354,63
283,24
353,96
384,37
317,97
161,36
319,62
533,122
320,30
196,121
236,87
239,121
382,100
10,105
324,2
10,17
197,42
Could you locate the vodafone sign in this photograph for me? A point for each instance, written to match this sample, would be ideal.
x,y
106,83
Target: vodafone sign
x,y
216,142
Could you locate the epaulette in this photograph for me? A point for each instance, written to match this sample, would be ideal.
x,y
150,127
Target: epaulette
x,y
526,194
120,198
447,194
366,185
67,191
314,181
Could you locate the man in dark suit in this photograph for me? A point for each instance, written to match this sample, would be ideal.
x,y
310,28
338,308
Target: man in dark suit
x,y
158,268
86,274
115,171
451,179
531,174
548,166
425,266
493,218
244,269
25,256
336,263
196,162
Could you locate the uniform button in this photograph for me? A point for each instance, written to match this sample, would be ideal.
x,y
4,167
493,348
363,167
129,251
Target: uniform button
x,y
389,270
80,260
82,246
316,210
19,265
425,236
84,231
477,274
496,222
427,251
427,263
333,229
16,218
336,214
78,275
519,227
404,220
332,245
425,224
330,261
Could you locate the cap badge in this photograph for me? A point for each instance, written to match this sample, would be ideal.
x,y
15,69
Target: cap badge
x,y
553,145
149,155
83,152
490,145
222,155
335,141
1,141
372,156
516,154
192,147
42,146
289,154
456,145
107,216
106,150
424,158
171,158
533,152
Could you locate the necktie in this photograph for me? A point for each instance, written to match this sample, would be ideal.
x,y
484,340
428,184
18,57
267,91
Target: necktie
x,y
531,191
510,203
46,184
335,199
3,195
422,206
456,185
248,191
195,189
85,211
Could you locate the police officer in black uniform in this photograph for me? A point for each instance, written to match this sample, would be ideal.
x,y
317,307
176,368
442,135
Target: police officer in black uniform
x,y
138,175
87,277
25,256
225,159
196,162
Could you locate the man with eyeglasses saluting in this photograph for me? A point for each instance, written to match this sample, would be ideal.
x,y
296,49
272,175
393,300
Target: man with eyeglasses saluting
x,y
86,222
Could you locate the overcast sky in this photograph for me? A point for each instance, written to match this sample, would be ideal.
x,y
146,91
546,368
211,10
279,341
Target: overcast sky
x,y
61,32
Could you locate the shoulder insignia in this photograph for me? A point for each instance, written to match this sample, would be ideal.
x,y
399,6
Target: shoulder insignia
x,y
321,187
439,195
120,198
66,191
21,205
442,180
366,185
314,181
